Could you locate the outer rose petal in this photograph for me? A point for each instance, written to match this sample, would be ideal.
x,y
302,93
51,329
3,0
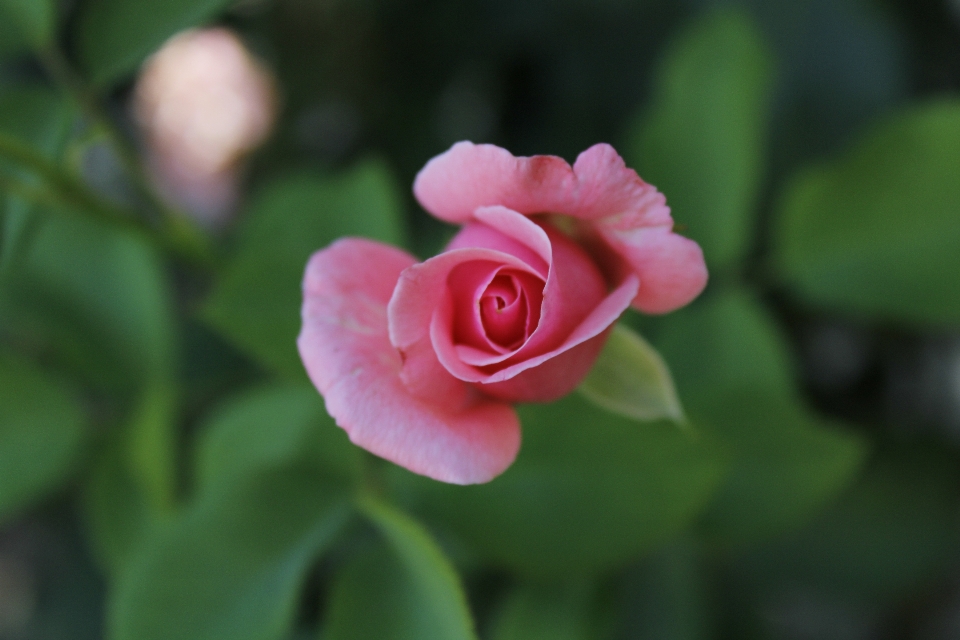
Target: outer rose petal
x,y
671,268
468,176
345,347
628,215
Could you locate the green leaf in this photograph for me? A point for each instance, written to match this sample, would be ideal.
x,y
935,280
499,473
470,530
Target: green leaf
x,y
257,301
40,118
875,232
734,373
702,141
667,596
631,379
558,611
97,298
889,537
268,427
42,431
588,491
36,19
114,36
35,115
404,589
231,567
153,443
12,41
132,485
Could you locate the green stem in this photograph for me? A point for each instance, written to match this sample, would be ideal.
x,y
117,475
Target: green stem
x,y
175,229
63,192
54,197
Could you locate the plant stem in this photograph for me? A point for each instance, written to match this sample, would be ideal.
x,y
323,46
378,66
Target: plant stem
x,y
64,192
176,230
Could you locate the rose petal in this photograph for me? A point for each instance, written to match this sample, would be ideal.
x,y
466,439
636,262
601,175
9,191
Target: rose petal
x,y
528,243
671,268
469,280
346,350
453,185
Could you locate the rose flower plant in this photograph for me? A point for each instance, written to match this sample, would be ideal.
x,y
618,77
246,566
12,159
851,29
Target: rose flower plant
x,y
420,362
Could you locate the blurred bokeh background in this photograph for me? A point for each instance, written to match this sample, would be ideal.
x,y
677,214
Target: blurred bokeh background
x,y
167,166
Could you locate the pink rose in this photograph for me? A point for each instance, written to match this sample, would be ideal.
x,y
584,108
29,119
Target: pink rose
x,y
419,362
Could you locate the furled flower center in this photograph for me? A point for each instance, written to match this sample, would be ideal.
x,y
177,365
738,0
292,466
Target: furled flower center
x,y
504,311
496,308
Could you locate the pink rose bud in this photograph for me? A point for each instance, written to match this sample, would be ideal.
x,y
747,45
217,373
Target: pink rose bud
x,y
419,362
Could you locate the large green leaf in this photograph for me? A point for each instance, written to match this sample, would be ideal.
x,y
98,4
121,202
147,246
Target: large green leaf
x,y
257,301
40,118
734,374
114,36
116,511
631,379
875,232
558,611
132,484
889,537
12,40
667,596
702,142
42,430
267,427
35,19
403,589
588,491
232,565
97,298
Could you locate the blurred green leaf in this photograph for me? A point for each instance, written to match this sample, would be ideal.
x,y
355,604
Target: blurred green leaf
x,y
42,431
97,298
132,486
558,611
40,118
257,301
703,140
36,115
232,565
12,41
404,589
114,36
632,380
36,19
876,231
666,596
589,490
153,443
890,534
266,427
734,373
117,513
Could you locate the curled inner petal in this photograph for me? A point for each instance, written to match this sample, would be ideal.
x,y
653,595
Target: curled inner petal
x,y
495,307
508,312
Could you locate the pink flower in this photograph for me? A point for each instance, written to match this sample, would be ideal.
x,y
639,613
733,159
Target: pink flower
x,y
419,362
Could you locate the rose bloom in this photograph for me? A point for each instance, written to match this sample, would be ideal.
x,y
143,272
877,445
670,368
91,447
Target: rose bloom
x,y
420,361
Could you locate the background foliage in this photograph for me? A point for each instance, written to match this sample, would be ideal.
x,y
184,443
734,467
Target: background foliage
x,y
166,471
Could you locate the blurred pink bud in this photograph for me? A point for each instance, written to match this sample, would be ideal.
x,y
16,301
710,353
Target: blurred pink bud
x,y
203,103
